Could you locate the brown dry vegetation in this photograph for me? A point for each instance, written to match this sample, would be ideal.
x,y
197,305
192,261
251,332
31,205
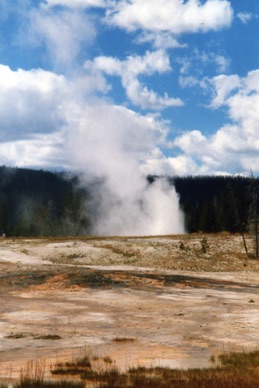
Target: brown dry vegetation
x,y
230,370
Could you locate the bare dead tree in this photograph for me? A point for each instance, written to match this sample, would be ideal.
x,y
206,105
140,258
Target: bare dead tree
x,y
253,214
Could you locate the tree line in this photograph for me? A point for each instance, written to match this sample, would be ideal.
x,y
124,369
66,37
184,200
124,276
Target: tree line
x,y
44,203
214,203
41,203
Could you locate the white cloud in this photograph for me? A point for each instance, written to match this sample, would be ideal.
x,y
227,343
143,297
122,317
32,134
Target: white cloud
x,y
191,142
235,146
29,102
245,17
175,16
130,69
188,81
195,64
76,3
40,151
172,166
222,63
52,112
223,86
160,40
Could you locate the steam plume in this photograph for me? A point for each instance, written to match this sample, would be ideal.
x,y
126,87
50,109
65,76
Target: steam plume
x,y
108,145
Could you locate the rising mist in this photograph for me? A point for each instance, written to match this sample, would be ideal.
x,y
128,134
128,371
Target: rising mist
x,y
109,147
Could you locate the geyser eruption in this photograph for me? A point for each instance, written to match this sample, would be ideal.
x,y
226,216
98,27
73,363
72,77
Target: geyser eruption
x,y
110,147
149,209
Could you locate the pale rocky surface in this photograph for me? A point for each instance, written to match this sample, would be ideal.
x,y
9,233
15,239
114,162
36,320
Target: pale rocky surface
x,y
148,301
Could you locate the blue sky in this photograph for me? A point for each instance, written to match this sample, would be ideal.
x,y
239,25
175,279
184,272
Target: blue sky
x,y
163,86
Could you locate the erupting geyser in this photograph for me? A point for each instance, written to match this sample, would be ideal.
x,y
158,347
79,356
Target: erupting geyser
x,y
111,145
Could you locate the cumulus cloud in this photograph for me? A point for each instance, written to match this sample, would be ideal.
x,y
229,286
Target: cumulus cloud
x,y
235,146
223,86
191,142
40,151
29,102
175,16
129,70
173,166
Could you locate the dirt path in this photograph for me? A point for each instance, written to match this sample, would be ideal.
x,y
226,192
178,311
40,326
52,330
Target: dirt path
x,y
139,300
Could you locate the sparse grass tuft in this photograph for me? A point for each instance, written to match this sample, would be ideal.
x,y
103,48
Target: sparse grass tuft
x,y
52,337
75,256
49,384
25,251
123,339
107,360
15,336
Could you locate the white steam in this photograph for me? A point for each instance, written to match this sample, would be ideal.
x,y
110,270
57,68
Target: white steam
x,y
152,210
110,144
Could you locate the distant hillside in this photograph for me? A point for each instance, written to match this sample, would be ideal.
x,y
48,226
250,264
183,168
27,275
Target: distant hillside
x,y
43,203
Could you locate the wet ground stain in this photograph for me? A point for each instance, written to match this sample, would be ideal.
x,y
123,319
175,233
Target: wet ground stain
x,y
109,279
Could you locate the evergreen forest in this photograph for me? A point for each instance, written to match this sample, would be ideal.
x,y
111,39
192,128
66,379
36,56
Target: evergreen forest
x,y
44,203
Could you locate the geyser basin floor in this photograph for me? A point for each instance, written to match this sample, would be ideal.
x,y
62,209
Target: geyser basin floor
x,y
139,300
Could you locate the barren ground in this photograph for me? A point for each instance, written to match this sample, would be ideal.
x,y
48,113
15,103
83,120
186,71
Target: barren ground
x,y
148,301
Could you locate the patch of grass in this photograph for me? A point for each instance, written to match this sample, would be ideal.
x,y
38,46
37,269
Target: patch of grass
x,y
193,337
75,256
52,337
204,245
25,251
240,360
118,251
77,367
15,335
32,376
123,339
212,359
195,378
107,359
49,384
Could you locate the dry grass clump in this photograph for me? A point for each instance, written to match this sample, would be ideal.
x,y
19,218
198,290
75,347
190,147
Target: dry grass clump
x,y
123,339
49,384
33,376
195,378
240,360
